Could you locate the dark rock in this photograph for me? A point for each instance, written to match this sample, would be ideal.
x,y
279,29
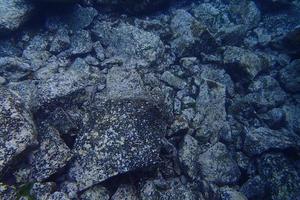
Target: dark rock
x,y
169,189
190,38
17,127
120,136
254,188
79,17
263,139
13,14
290,76
52,154
274,118
58,196
133,6
281,178
244,62
134,46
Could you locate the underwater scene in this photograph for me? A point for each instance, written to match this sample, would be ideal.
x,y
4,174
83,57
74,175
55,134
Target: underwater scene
x,y
149,100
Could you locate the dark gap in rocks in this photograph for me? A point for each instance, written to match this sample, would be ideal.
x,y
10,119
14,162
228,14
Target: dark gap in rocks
x,y
69,139
268,6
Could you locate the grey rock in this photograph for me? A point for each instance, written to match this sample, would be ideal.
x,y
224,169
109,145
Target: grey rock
x,y
70,188
244,61
100,52
58,196
121,135
17,127
263,139
52,154
173,80
61,41
190,38
124,83
188,156
254,188
228,193
135,46
7,192
41,191
169,189
289,76
211,114
81,42
14,68
265,93
62,85
125,191
14,13
96,193
280,176
217,165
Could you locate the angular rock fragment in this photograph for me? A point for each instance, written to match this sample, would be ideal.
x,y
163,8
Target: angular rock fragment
x,y
228,193
245,62
263,139
292,117
173,80
52,154
41,191
13,14
81,42
17,129
134,46
190,38
217,165
121,135
211,113
254,188
7,192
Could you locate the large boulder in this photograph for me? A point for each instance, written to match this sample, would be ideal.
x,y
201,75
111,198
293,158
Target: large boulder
x,y
13,14
17,129
121,135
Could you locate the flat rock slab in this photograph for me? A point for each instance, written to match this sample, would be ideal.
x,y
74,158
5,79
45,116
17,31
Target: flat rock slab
x,y
119,136
17,130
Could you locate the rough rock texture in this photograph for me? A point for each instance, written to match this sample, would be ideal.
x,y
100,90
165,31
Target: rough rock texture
x,y
52,154
95,193
17,127
289,76
121,136
13,14
134,46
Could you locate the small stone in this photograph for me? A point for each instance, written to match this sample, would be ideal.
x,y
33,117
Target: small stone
x,y
61,41
173,80
81,42
262,139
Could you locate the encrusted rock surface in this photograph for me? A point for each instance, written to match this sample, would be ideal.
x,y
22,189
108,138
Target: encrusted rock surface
x,y
149,99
